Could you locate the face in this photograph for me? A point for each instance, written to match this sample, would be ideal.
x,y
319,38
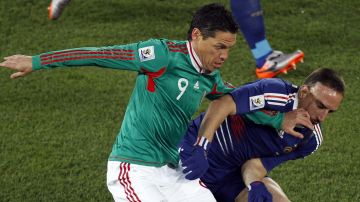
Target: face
x,y
319,101
212,51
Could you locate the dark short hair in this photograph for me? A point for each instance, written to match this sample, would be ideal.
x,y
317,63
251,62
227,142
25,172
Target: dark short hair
x,y
328,77
212,18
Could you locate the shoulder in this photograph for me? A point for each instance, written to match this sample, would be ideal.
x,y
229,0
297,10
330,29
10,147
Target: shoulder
x,y
275,83
176,46
312,142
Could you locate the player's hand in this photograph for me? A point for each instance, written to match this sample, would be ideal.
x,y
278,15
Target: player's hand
x,y
20,63
295,118
258,192
196,166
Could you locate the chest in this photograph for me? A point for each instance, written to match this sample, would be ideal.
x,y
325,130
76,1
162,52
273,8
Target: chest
x,y
185,89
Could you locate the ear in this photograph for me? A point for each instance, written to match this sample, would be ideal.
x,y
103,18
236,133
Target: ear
x,y
304,91
195,34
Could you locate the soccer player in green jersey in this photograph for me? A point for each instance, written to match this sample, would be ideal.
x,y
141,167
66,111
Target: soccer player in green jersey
x,y
173,77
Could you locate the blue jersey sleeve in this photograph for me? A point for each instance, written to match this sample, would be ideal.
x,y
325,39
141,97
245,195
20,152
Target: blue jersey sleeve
x,y
271,94
304,149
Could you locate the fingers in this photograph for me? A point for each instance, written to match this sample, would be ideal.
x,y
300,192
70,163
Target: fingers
x,y
8,63
18,74
306,123
21,63
14,57
295,134
295,118
303,118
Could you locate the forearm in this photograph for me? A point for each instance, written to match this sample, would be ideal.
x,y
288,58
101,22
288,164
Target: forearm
x,y
216,113
117,57
253,170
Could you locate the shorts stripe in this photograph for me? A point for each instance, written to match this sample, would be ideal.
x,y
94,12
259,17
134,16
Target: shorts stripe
x,y
124,180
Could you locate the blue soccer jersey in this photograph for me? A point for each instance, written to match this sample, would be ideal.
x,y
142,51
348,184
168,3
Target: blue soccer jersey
x,y
238,139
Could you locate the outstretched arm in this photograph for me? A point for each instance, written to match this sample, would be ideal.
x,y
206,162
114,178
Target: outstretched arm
x,y
124,57
22,64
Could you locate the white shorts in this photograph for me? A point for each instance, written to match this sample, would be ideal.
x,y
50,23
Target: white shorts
x,y
131,182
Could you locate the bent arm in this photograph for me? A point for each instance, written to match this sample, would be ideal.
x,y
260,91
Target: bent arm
x,y
216,113
253,170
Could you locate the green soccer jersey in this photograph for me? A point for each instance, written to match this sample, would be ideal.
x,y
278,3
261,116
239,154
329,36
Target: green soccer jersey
x,y
169,88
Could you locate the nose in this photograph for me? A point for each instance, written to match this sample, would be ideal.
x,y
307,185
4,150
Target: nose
x,y
323,114
224,54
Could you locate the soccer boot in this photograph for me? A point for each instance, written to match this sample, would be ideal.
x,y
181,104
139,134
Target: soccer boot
x,y
56,8
278,62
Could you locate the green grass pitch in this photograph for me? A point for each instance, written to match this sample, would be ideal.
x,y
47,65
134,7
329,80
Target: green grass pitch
x,y
57,127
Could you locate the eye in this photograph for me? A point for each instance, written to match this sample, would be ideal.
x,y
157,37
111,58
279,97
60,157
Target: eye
x,y
218,47
320,105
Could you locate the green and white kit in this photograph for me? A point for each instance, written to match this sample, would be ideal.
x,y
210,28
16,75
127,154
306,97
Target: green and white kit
x,y
169,88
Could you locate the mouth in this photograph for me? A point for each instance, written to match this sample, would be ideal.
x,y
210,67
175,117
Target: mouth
x,y
217,65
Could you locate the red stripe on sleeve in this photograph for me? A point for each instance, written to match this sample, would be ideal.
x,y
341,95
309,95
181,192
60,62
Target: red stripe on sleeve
x,y
75,51
87,57
85,53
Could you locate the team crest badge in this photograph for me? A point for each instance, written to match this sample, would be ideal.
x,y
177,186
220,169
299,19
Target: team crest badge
x,y
146,53
257,102
288,149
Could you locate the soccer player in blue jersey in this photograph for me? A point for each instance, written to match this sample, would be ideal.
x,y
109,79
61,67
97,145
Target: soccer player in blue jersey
x,y
241,152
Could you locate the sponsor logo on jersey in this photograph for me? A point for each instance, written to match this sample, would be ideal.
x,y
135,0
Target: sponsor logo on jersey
x,y
257,102
196,86
146,53
288,149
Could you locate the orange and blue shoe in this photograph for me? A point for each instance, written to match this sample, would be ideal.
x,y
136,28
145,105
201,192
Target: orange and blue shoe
x,y
56,8
279,63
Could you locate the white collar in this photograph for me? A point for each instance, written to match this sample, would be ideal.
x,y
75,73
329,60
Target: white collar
x,y
194,58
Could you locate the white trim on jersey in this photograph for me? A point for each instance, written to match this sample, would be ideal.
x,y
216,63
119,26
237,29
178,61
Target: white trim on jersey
x,y
218,139
318,131
276,103
223,136
202,141
194,58
318,137
230,138
276,96
296,101
280,99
